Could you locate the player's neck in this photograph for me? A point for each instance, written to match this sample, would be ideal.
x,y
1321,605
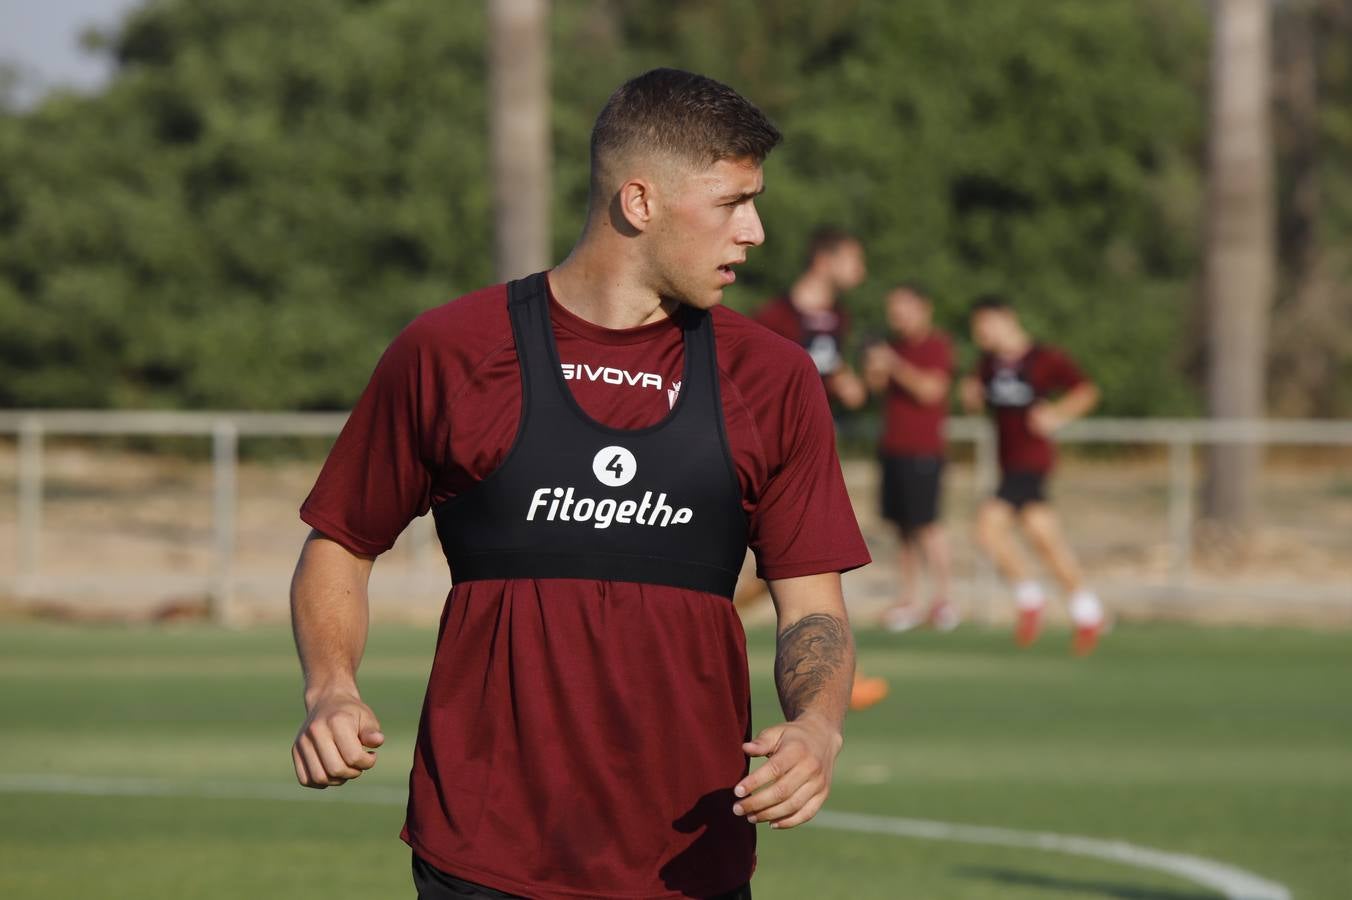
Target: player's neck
x,y
602,289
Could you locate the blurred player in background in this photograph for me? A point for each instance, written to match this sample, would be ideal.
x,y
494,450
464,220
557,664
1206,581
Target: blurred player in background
x,y
1032,391
811,315
914,373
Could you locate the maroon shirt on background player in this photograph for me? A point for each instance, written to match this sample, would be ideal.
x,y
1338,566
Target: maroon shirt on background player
x,y
911,426
1012,387
585,736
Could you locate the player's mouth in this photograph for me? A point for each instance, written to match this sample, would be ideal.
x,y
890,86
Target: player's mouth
x,y
725,271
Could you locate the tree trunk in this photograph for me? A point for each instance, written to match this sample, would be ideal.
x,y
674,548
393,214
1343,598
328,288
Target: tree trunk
x,y
519,106
1239,263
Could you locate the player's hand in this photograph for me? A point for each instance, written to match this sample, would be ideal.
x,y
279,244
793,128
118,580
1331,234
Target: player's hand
x,y
879,360
337,741
793,783
1045,419
848,388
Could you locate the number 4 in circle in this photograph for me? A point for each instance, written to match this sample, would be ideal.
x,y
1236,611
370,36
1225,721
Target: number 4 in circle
x,y
614,466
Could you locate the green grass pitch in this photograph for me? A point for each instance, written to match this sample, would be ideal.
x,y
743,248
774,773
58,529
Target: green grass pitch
x,y
1232,745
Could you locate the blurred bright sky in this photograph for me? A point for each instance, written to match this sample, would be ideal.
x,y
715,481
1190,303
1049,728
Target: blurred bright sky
x,y
42,39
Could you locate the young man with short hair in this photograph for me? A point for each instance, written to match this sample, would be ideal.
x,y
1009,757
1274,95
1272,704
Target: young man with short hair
x,y
914,372
1032,391
586,730
810,313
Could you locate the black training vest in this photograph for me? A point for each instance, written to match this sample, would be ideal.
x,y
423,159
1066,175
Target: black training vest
x,y
576,499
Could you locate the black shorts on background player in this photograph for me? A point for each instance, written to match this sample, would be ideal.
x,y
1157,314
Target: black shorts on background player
x,y
434,884
1019,489
910,490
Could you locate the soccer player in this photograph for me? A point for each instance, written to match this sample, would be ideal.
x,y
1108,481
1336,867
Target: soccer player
x,y
811,316
1032,391
599,444
810,313
914,373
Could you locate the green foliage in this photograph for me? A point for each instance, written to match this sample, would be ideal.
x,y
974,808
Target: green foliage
x,y
268,191
265,194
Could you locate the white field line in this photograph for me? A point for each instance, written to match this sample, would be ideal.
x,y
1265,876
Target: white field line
x,y
1233,883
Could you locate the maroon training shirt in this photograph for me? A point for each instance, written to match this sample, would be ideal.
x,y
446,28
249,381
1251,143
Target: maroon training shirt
x,y
582,738
1012,387
912,428
822,334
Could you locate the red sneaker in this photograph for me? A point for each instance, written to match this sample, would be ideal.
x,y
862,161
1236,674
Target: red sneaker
x,y
1028,626
1086,637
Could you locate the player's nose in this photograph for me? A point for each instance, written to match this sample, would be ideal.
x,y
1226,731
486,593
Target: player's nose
x,y
750,233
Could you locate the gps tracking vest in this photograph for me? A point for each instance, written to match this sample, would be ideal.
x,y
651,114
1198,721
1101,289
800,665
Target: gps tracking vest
x,y
576,499
1008,386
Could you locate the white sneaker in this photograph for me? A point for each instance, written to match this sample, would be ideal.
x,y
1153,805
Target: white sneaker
x,y
944,616
898,619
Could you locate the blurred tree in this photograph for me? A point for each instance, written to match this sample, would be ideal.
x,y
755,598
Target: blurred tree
x,y
1311,367
1239,264
262,197
267,191
1049,150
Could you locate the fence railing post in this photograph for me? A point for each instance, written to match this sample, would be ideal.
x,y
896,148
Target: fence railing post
x,y
30,504
1181,491
225,464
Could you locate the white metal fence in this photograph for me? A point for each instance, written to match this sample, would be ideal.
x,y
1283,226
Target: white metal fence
x,y
225,430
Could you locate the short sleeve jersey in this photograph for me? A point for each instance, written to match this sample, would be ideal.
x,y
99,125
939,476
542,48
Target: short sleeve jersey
x,y
582,738
910,427
823,334
1012,387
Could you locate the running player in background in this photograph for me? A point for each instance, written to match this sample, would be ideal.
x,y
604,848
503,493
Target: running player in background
x,y
1032,391
914,373
811,316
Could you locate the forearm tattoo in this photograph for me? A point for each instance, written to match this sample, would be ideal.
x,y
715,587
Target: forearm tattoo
x,y
810,655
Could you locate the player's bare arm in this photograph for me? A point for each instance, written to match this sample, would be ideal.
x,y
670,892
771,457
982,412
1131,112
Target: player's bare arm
x,y
1049,417
847,387
926,385
337,740
814,667
972,394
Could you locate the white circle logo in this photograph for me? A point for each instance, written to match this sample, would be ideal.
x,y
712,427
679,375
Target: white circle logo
x,y
614,466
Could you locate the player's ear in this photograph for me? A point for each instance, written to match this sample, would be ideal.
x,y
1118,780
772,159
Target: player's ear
x,y
637,203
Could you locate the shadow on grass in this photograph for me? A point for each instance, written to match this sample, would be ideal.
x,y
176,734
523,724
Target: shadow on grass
x,y
1114,890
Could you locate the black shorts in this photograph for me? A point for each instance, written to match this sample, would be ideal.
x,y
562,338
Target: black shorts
x,y
1019,489
911,489
434,884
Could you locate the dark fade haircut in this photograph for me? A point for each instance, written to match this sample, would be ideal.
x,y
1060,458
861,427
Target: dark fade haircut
x,y
681,114
827,239
915,289
990,303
